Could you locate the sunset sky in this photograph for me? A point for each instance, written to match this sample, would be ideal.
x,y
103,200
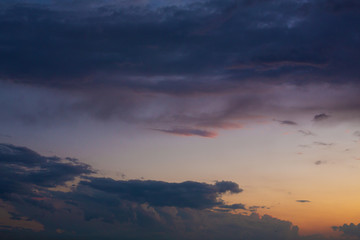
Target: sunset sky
x,y
169,119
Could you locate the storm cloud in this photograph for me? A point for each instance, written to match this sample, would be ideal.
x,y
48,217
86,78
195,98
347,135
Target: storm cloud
x,y
197,64
172,39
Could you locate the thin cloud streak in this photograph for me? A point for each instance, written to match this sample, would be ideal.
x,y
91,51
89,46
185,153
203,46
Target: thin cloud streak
x,y
189,132
286,122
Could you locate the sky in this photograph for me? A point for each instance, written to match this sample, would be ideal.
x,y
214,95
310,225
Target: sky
x,y
192,119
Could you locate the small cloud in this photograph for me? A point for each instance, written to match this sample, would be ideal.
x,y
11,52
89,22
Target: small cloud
x,y
233,206
304,146
320,162
255,208
320,117
323,144
306,133
189,132
303,201
286,122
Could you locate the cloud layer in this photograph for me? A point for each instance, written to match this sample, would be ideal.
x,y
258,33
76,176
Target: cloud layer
x,y
77,43
107,208
202,65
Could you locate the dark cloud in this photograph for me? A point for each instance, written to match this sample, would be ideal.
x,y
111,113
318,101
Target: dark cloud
x,y
320,117
303,201
189,132
204,64
134,209
157,193
234,206
255,208
340,6
286,122
357,133
104,208
24,171
349,230
74,42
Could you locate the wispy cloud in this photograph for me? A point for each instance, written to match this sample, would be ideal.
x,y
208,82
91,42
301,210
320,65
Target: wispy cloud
x,y
323,144
189,132
306,133
286,122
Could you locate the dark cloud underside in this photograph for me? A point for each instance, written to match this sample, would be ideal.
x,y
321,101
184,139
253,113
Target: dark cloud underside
x,y
203,65
29,182
77,44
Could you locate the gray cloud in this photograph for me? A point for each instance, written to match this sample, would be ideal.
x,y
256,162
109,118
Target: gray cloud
x,y
349,230
320,117
189,132
303,201
319,162
323,144
306,133
24,171
286,122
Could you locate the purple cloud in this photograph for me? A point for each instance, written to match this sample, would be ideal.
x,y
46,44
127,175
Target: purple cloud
x,y
189,132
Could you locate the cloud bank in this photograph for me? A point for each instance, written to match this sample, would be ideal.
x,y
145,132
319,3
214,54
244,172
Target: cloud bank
x,y
94,207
